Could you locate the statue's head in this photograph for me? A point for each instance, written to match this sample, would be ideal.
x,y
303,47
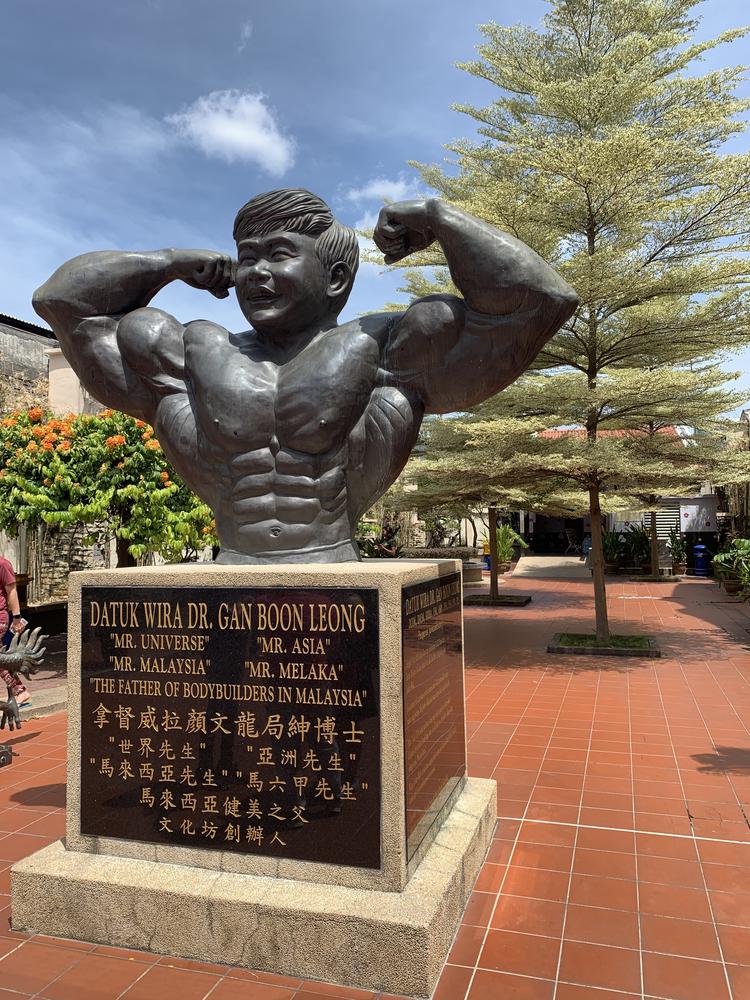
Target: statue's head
x,y
296,263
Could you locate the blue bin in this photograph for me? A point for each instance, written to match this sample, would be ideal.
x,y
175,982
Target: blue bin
x,y
487,562
702,560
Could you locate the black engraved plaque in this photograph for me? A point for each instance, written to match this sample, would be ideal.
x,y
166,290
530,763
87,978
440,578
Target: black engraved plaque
x,y
434,733
235,719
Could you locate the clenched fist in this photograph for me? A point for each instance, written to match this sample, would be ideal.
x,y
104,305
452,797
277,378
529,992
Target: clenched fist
x,y
206,269
403,228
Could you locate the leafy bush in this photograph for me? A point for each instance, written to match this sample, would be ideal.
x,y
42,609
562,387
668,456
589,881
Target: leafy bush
x,y
507,540
637,543
104,469
612,545
735,561
677,546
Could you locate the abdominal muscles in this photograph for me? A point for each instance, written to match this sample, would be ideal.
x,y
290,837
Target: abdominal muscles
x,y
276,500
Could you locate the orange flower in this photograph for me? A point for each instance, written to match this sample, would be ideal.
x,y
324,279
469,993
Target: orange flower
x,y
32,446
140,423
39,432
64,446
153,445
167,482
9,422
47,445
115,440
106,413
35,414
148,433
164,475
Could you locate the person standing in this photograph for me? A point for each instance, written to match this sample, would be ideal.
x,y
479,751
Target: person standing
x,y
11,623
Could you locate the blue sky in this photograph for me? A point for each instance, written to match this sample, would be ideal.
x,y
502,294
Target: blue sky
x,y
147,123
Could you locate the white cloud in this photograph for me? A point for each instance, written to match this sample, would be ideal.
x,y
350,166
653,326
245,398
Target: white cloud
x,y
384,189
233,125
69,184
246,32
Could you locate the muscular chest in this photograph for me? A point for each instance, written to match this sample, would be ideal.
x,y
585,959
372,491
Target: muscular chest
x,y
308,404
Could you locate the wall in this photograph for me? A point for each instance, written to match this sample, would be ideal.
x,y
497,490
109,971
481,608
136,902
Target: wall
x,y
22,352
30,353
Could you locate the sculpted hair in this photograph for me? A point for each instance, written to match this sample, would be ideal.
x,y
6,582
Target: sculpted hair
x,y
298,211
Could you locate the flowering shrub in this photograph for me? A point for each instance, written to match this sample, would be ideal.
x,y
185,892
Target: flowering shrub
x,y
103,469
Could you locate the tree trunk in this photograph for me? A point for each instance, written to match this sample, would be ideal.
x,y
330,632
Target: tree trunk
x,y
493,551
597,566
124,557
654,546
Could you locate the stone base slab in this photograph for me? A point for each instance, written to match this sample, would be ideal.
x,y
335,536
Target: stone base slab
x,y
390,941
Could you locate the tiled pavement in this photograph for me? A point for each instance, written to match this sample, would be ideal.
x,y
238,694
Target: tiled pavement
x,y
621,864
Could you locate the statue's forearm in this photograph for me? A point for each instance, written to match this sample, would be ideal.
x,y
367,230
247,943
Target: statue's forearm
x,y
107,283
494,271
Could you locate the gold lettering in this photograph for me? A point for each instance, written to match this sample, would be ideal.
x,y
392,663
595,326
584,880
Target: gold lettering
x,y
117,614
162,614
279,617
337,617
259,668
270,644
235,617
197,615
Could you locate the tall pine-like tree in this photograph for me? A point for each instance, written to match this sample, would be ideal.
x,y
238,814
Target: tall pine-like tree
x,y
604,150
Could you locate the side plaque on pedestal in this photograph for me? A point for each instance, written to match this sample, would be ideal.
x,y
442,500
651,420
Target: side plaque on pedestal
x,y
233,719
434,735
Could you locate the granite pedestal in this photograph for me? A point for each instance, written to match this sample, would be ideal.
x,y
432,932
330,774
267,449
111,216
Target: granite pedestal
x,y
267,769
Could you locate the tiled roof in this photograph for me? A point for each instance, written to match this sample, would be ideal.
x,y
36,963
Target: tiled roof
x,y
22,324
580,432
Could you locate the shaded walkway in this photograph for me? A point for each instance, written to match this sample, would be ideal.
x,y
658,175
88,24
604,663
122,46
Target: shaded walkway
x,y
552,567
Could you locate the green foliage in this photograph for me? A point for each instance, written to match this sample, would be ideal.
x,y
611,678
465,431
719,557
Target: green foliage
x,y
637,544
612,545
735,561
379,547
507,540
441,529
677,546
107,471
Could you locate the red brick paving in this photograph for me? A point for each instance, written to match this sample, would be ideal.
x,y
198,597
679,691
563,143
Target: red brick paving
x,y
621,864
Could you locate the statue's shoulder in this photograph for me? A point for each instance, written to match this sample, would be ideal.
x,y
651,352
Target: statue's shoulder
x,y
376,326
200,331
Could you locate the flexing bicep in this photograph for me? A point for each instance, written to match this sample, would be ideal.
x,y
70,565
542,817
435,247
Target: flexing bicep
x,y
129,363
420,338
455,357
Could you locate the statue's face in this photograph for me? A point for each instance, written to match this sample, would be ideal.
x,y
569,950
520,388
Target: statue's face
x,y
281,282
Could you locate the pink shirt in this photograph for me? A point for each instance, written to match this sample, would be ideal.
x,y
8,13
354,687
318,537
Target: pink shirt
x,y
7,579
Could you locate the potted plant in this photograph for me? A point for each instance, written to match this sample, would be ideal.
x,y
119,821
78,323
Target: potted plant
x,y
612,546
677,547
508,540
734,566
637,543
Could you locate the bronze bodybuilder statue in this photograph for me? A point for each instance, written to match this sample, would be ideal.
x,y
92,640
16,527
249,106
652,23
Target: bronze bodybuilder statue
x,y
293,428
